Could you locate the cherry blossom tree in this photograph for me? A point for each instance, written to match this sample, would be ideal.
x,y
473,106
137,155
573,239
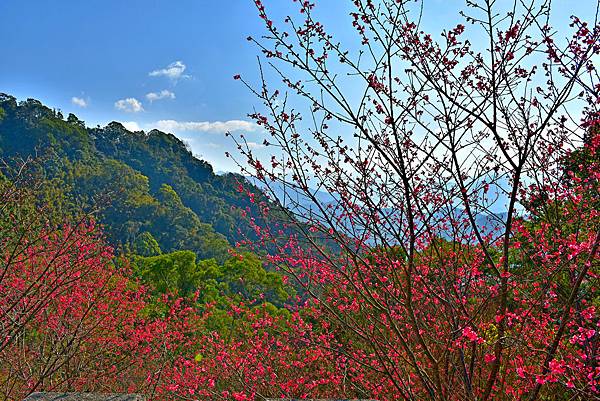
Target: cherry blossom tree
x,y
452,258
71,318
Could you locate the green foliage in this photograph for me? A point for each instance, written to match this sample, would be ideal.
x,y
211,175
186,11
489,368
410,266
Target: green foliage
x,y
146,245
242,277
164,159
239,278
172,273
135,182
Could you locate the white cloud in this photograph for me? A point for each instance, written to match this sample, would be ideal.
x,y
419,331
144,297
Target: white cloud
x,y
131,125
130,105
173,71
78,101
255,145
206,126
163,94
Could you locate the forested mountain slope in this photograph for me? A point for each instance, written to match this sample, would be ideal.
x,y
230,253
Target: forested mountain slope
x,y
145,183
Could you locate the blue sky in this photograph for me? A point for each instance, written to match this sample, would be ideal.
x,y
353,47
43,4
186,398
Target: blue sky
x,y
101,52
175,58
153,63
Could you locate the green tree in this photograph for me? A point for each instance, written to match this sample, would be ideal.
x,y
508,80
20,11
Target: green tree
x,y
146,245
172,273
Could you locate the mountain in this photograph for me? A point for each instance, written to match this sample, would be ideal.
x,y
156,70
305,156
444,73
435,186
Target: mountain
x,y
149,186
298,202
146,183
290,197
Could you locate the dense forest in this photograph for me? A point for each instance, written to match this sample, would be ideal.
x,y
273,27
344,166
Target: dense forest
x,y
146,186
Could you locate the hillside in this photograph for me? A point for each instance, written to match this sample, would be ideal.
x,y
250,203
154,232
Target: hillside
x,y
145,183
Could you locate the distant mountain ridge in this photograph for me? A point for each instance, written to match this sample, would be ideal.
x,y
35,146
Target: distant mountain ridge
x,y
298,202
